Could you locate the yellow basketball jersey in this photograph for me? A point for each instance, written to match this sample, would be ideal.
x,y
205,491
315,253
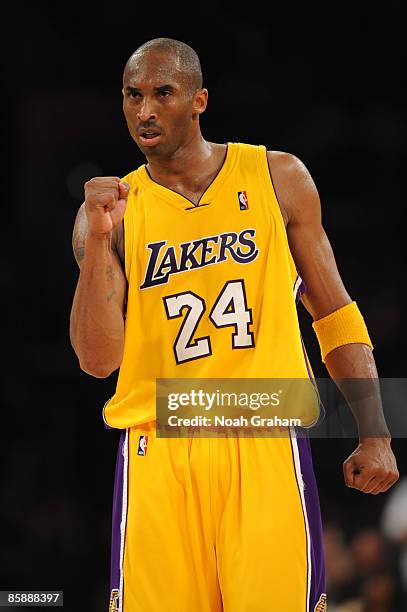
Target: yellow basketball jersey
x,y
211,288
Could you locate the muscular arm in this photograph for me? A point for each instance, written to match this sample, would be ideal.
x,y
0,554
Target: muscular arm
x,y
325,292
97,316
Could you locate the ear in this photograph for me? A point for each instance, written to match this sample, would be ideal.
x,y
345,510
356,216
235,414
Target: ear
x,y
200,101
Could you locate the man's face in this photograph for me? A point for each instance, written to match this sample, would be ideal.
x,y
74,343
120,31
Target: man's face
x,y
158,103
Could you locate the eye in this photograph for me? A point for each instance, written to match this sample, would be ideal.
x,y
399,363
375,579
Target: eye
x,y
133,93
164,93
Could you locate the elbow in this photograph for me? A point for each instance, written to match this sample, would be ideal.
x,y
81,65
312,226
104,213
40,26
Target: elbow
x,y
97,370
99,364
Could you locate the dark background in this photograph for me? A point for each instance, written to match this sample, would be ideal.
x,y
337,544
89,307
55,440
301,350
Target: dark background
x,y
327,87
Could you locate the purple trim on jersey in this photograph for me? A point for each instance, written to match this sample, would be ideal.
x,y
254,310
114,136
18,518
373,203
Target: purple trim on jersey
x,y
322,411
301,289
117,516
317,586
105,423
107,426
198,205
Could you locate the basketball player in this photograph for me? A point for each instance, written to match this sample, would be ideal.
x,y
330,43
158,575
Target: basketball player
x,y
190,267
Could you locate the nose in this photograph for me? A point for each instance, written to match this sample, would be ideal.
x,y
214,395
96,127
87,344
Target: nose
x,y
146,111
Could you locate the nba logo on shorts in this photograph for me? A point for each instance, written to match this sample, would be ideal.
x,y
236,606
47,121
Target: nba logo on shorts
x,y
142,446
321,605
243,200
114,601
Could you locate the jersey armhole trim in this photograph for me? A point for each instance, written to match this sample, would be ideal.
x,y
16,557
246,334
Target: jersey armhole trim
x,y
274,205
267,177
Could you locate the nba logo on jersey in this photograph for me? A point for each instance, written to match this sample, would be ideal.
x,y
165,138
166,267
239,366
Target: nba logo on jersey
x,y
243,200
142,446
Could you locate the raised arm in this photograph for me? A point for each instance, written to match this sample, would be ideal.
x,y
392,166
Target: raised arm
x,y
372,467
97,315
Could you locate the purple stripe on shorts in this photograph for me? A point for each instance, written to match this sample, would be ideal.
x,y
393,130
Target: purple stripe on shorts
x,y
117,516
314,522
312,508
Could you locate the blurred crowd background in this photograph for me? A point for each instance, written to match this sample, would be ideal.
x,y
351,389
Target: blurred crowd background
x,y
326,86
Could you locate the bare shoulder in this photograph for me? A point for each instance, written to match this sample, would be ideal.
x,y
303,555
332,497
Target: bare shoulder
x,y
79,236
294,186
287,165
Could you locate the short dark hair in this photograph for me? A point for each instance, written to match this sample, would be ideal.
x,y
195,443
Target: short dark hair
x,y
187,59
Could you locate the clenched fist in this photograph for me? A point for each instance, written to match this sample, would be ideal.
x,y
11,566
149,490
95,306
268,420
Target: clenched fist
x,y
105,203
372,467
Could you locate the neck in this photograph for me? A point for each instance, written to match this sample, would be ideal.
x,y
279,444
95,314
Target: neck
x,y
184,162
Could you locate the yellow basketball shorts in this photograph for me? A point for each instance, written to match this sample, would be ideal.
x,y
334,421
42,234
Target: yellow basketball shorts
x,y
215,524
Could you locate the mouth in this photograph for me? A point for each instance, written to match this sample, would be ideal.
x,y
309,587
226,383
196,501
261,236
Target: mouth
x,y
149,138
